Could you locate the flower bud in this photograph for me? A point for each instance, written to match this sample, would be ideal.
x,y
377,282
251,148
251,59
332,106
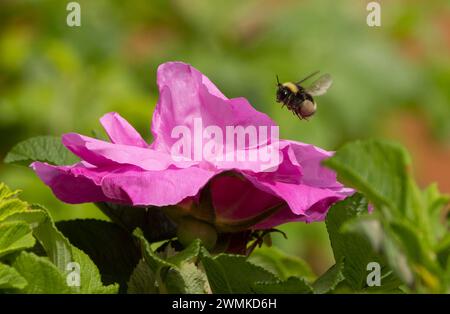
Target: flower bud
x,y
190,229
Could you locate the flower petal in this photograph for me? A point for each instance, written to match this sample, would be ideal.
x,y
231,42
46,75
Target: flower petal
x,y
158,188
73,184
186,96
310,158
237,198
300,197
315,213
120,131
101,153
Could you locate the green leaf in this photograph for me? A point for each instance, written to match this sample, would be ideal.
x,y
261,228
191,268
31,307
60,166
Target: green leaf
x,y
380,237
6,192
60,251
90,281
142,280
104,242
153,222
233,273
177,274
153,260
290,285
397,259
375,168
410,239
194,278
41,148
15,236
281,264
435,203
355,249
189,254
390,283
19,229
57,247
10,278
443,251
9,203
10,207
42,276
330,279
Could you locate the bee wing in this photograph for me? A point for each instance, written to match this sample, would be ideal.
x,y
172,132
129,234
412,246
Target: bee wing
x,y
320,86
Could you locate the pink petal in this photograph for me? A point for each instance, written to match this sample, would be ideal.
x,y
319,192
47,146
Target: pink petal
x,y
236,198
186,95
101,153
73,184
120,131
315,213
158,188
310,158
300,197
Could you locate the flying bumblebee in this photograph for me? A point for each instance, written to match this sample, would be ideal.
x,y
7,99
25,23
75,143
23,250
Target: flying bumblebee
x,y
299,99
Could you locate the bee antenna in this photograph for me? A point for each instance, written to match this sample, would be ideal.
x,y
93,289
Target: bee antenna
x,y
309,76
278,81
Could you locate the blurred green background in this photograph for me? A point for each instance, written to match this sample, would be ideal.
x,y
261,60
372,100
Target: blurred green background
x,y
391,81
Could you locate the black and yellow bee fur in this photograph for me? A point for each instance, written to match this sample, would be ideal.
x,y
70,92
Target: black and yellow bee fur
x,y
295,98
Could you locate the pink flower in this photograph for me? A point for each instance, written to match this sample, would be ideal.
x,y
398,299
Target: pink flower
x,y
127,170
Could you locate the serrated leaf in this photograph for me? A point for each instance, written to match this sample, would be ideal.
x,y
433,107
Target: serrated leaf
x,y
41,148
15,236
385,242
233,273
195,279
177,274
57,247
17,231
354,248
290,285
104,242
154,261
142,280
42,276
90,281
11,206
330,279
6,192
390,283
61,252
189,254
10,278
281,264
375,168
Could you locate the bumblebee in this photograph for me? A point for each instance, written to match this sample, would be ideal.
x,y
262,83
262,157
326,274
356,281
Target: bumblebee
x,y
300,100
